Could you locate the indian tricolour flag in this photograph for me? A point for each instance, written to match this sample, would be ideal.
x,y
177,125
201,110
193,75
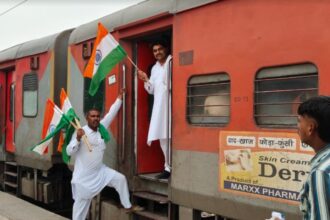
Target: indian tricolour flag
x,y
65,107
68,110
53,123
106,54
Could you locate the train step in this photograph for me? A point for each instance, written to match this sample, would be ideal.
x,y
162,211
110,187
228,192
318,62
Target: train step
x,y
11,177
152,177
10,173
151,215
161,199
13,185
149,183
156,205
12,163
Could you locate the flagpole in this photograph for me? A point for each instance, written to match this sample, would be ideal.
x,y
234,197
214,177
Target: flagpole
x,y
59,111
132,62
76,127
84,137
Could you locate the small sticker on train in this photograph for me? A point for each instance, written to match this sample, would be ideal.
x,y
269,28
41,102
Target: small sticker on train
x,y
112,79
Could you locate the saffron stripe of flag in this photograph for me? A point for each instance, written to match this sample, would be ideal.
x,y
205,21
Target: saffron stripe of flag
x,y
106,54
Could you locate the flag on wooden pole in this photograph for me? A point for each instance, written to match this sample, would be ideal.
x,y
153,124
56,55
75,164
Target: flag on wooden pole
x,y
54,121
68,110
106,54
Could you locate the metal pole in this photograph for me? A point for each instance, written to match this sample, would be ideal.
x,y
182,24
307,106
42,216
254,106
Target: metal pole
x,y
122,153
35,176
135,110
168,111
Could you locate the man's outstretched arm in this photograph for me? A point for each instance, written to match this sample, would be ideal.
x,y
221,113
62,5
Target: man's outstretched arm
x,y
113,111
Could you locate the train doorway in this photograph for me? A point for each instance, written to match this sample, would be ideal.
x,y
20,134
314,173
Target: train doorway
x,y
150,159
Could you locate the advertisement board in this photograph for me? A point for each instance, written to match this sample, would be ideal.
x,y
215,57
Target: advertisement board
x,y
267,165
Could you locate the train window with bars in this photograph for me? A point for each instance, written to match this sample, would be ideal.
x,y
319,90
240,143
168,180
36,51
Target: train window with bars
x,y
280,90
30,95
208,100
95,101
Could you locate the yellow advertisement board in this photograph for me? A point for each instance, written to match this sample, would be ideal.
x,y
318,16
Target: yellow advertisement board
x,y
267,165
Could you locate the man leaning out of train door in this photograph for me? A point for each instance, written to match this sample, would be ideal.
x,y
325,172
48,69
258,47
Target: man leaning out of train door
x,y
314,130
157,85
90,175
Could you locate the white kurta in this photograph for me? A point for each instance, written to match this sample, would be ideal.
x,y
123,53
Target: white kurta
x,y
90,175
157,86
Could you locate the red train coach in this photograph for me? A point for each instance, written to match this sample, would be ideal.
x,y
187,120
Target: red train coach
x,y
240,69
29,74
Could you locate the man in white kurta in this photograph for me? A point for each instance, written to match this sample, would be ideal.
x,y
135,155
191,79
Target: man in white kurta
x,y
157,85
90,175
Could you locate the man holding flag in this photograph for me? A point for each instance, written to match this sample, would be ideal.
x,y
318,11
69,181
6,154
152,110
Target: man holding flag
x,y
157,85
90,175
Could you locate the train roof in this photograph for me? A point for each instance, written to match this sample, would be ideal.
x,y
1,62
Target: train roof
x,y
140,11
31,47
10,53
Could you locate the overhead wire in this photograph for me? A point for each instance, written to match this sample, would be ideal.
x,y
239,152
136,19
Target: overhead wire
x,y
12,8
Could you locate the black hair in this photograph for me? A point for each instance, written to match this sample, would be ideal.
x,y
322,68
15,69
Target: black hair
x,y
162,42
94,108
318,108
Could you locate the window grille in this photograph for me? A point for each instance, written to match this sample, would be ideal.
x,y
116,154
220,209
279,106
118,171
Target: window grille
x,y
280,90
30,95
208,100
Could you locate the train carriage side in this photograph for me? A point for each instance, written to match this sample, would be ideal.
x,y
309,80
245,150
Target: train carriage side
x,y
80,48
33,72
8,54
128,27
241,69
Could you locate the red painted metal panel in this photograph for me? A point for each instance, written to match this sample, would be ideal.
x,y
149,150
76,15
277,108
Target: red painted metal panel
x,y
240,37
149,159
76,53
22,67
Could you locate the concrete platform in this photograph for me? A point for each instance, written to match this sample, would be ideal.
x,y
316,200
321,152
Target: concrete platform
x,y
13,208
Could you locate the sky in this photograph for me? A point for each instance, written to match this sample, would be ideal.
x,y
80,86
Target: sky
x,y
24,20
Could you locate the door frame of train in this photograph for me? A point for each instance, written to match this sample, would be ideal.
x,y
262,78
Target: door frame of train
x,y
148,159
3,87
10,109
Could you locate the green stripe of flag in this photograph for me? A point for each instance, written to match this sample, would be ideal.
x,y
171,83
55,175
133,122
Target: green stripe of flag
x,y
114,57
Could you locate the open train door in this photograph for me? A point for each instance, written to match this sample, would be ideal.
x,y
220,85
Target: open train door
x,y
10,113
150,159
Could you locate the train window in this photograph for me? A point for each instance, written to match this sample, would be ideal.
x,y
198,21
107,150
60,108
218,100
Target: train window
x,y
208,100
95,101
279,91
30,95
87,49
